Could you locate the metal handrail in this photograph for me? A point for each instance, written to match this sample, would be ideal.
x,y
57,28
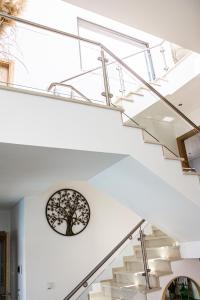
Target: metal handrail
x,y
121,62
84,282
112,62
54,84
163,98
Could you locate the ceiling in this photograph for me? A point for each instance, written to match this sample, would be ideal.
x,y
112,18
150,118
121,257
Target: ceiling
x,y
189,98
188,95
25,170
174,20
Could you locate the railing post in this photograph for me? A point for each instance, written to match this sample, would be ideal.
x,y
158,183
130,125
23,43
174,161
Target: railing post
x,y
144,258
121,80
162,51
107,93
149,64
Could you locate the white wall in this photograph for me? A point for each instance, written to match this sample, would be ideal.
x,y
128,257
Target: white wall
x,y
97,129
56,57
64,261
176,21
151,198
4,220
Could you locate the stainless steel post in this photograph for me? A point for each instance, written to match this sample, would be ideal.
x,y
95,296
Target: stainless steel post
x,y
162,51
105,78
121,80
144,258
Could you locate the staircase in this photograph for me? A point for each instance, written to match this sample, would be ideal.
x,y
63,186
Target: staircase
x,y
128,281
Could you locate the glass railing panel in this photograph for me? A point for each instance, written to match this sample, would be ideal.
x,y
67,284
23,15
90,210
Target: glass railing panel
x,y
120,83
141,63
39,58
143,107
118,278
162,59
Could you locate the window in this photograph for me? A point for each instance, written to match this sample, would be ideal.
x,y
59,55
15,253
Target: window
x,y
5,72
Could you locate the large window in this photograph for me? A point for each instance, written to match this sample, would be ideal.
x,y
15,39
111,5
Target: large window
x,y
124,46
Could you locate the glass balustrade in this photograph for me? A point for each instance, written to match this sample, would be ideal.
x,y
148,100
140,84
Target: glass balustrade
x,y
120,278
142,83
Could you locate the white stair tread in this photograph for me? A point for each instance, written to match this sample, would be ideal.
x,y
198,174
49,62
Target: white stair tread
x,y
119,285
152,142
175,158
191,173
156,237
133,125
135,93
161,273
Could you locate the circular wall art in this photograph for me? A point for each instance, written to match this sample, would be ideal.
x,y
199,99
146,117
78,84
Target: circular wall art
x,y
68,212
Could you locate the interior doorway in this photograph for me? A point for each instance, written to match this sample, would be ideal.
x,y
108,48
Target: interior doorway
x,y
189,149
3,264
182,288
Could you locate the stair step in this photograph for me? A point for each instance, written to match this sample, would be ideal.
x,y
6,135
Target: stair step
x,y
138,278
132,125
153,143
126,291
163,79
168,252
162,273
133,266
155,83
100,296
175,158
191,173
159,265
170,155
158,241
157,232
126,99
135,93
148,138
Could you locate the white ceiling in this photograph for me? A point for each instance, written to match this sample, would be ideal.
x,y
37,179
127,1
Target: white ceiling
x,y
174,20
25,170
188,95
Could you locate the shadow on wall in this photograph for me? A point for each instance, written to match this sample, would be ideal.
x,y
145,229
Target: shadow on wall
x,y
183,288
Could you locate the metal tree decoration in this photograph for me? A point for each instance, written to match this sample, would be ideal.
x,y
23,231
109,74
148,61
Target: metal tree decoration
x,y
67,212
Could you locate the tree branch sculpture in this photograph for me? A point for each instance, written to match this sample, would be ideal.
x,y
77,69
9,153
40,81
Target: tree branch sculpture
x,y
68,212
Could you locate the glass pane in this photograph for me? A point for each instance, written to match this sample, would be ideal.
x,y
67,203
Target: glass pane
x,y
119,280
56,59
143,107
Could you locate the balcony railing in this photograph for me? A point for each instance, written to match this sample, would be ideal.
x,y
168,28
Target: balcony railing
x,y
43,55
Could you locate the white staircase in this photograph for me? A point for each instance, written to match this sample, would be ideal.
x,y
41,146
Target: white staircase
x,y
128,281
137,100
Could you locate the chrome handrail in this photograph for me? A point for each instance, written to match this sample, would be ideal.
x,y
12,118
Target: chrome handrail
x,y
113,62
84,282
163,98
51,29
121,62
54,84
